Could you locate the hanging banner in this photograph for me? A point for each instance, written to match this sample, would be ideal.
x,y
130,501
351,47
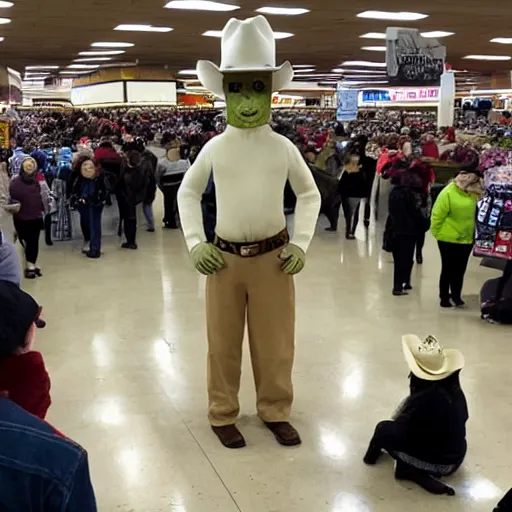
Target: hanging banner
x,y
4,134
412,59
347,104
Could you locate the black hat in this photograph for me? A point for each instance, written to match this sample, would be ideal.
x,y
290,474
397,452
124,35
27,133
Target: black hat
x,y
18,310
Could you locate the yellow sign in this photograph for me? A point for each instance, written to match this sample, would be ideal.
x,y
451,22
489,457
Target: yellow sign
x,y
4,134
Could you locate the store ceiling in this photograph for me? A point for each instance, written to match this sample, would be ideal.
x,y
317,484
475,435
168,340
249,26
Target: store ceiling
x,y
44,32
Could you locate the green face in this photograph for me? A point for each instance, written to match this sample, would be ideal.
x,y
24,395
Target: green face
x,y
248,98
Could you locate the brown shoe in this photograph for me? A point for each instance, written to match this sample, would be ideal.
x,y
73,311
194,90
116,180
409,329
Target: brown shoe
x,y
285,433
229,436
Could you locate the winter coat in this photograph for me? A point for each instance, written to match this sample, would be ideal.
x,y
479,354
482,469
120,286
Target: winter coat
x,y
353,184
93,192
405,216
33,196
150,161
133,183
453,216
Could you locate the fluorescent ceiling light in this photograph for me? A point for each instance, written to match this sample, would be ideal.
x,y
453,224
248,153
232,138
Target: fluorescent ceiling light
x,y
83,66
437,34
5,5
201,5
373,35
142,28
218,33
33,78
364,63
502,40
359,82
41,67
396,16
93,59
298,66
285,11
362,71
1,39
487,57
187,72
104,52
37,73
112,45
4,21
74,72
374,48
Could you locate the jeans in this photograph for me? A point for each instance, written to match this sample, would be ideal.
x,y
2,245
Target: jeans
x,y
148,213
28,233
403,258
454,261
90,222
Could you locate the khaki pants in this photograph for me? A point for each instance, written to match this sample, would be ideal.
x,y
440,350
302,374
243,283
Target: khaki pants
x,y
258,289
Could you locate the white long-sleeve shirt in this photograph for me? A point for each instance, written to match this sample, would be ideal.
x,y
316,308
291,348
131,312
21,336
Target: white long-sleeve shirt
x,y
250,168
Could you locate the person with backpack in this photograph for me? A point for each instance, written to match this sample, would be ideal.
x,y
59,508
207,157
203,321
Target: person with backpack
x,y
131,191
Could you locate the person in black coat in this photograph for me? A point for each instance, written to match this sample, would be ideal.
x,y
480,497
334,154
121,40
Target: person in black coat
x,y
405,222
427,436
369,169
88,192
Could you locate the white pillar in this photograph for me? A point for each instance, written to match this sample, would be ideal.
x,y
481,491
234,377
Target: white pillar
x,y
445,110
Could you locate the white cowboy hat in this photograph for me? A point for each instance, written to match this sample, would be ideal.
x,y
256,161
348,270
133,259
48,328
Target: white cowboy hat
x,y
428,360
247,45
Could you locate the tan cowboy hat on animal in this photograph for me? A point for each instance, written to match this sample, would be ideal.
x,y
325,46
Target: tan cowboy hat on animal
x,y
246,46
427,360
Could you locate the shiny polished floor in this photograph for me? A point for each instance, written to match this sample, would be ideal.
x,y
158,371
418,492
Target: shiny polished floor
x,y
125,346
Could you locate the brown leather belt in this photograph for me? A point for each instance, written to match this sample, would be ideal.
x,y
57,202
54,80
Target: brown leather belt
x,y
246,250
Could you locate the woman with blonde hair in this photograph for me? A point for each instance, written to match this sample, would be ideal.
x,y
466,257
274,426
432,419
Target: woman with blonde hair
x,y
453,226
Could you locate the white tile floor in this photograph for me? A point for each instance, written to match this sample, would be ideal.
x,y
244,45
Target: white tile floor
x,y
125,345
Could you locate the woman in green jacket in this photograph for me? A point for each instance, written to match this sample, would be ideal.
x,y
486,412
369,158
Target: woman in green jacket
x,y
453,225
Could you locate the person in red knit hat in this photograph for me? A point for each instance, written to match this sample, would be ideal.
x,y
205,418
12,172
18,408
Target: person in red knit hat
x,y
23,375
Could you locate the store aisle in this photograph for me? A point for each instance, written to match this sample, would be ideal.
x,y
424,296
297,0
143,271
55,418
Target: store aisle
x,y
125,346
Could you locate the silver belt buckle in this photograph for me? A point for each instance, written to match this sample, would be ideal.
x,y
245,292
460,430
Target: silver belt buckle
x,y
247,251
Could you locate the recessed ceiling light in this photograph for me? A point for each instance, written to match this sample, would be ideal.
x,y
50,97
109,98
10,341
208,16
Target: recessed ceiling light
x,y
4,21
359,71
93,59
1,39
187,72
502,40
112,45
487,57
5,5
201,5
218,33
437,34
104,52
285,11
142,28
83,66
364,63
374,35
298,66
388,15
374,48
41,67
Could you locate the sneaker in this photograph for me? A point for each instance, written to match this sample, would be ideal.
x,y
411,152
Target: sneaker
x,y
39,272
350,236
126,245
86,248
30,273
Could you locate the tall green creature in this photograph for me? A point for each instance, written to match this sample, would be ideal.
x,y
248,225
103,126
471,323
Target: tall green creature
x,y
251,263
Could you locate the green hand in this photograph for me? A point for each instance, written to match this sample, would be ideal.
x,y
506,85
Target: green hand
x,y
207,258
293,258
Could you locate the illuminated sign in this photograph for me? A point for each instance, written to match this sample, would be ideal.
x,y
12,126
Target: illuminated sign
x,y
402,95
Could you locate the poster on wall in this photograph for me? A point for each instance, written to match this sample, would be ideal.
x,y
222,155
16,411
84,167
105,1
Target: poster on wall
x,y
347,104
4,134
412,59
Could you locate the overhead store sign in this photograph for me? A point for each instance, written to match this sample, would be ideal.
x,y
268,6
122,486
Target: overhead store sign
x,y
417,94
412,59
